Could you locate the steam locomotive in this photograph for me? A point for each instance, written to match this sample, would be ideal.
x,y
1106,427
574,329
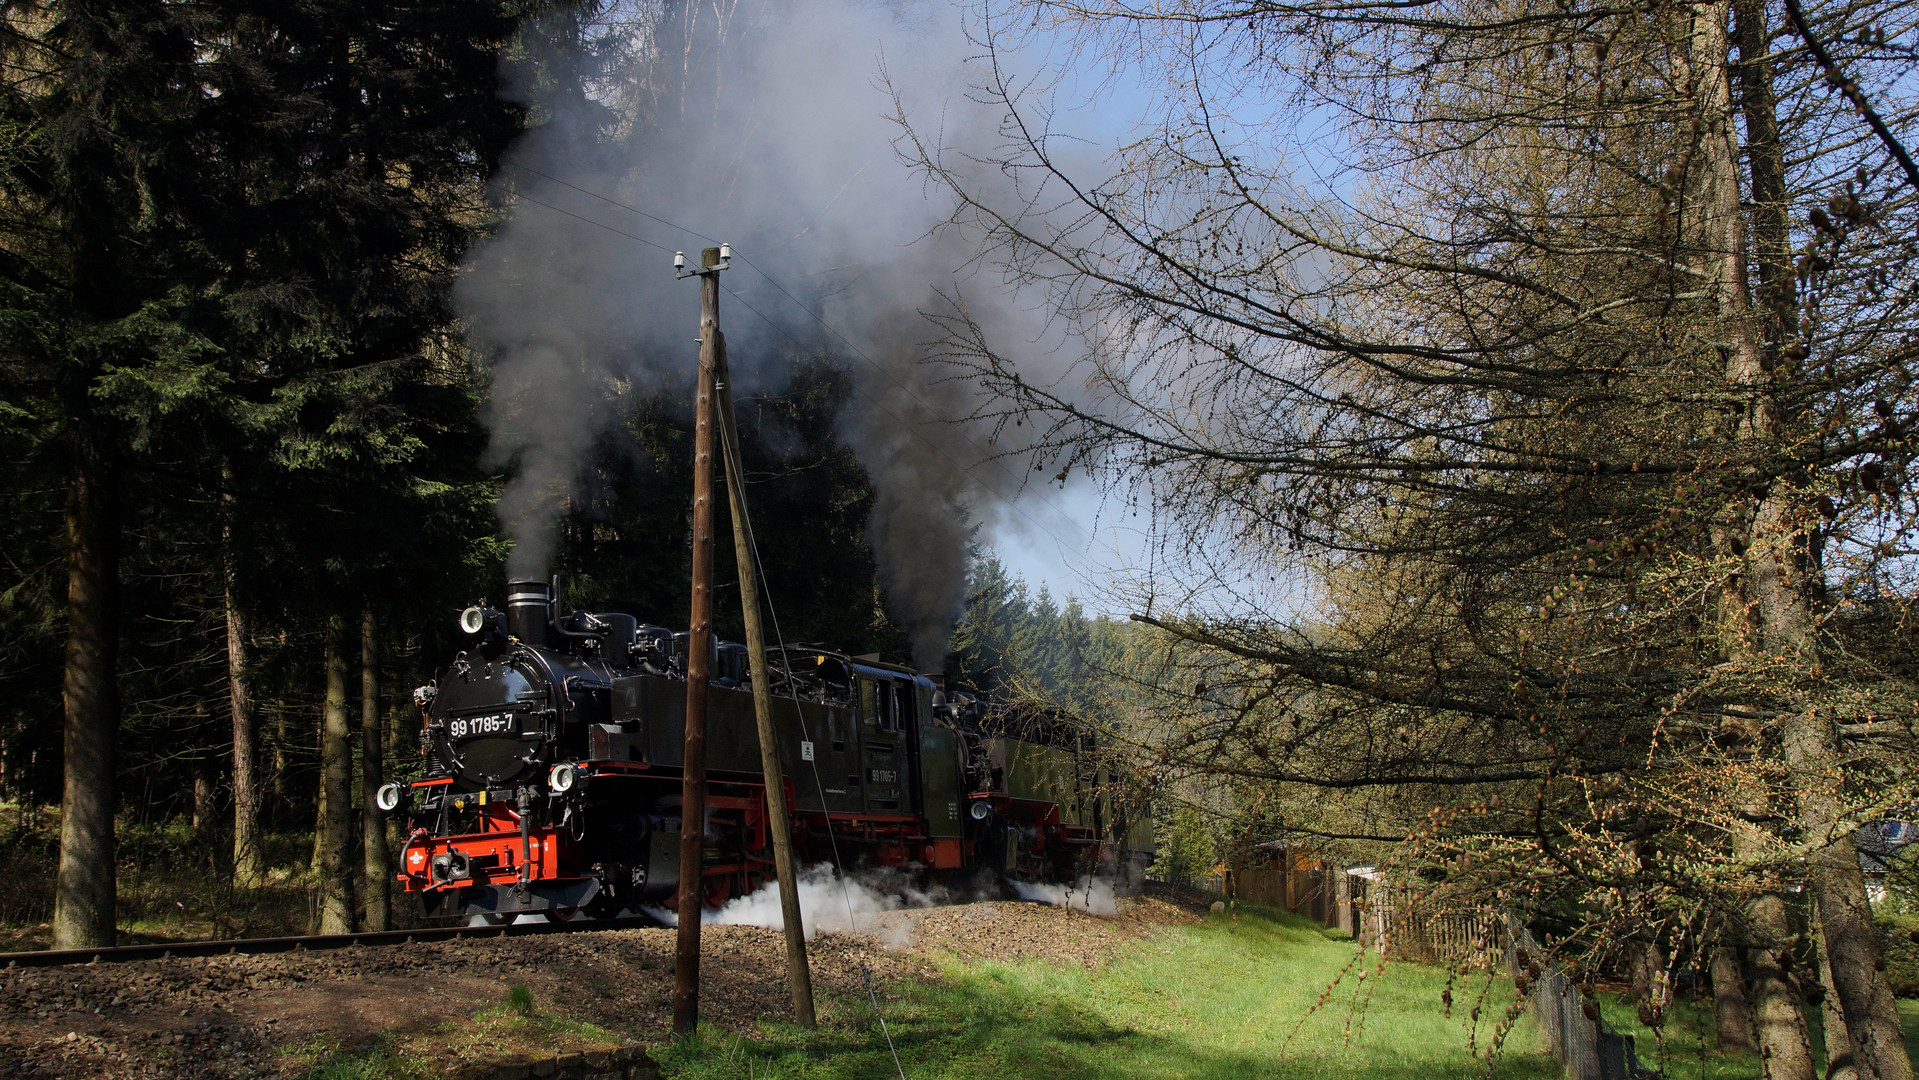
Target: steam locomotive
x,y
552,750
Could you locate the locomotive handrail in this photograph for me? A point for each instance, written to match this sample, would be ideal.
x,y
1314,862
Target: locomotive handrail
x,y
310,942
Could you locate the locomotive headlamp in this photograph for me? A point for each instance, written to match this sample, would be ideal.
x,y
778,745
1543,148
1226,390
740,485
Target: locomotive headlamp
x,y
472,620
388,797
980,810
562,777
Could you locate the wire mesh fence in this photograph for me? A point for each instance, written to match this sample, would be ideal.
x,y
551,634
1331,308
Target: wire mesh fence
x,y
1384,918
1578,1035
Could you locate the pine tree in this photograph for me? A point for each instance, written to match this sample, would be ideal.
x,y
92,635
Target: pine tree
x,y
104,291
229,232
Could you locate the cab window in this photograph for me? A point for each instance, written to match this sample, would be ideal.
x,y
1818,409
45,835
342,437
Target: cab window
x,y
877,706
907,696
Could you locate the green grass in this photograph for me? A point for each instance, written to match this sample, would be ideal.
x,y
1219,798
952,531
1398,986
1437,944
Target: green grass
x,y
1220,1000
516,1030
1687,1052
1687,1048
519,1001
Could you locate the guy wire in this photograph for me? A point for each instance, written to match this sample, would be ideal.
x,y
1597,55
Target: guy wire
x,y
730,446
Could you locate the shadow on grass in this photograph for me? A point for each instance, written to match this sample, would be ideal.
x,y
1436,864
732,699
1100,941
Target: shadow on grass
x,y
1220,1000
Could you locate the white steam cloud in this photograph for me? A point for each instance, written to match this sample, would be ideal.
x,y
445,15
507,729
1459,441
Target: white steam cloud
x,y
828,903
1091,895
766,123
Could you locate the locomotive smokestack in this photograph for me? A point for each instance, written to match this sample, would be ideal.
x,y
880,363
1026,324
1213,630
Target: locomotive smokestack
x,y
529,606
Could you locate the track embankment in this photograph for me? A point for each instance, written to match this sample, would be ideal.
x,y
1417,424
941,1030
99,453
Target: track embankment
x,y
453,1000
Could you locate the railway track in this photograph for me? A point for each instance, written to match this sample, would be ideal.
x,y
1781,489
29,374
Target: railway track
x,y
119,954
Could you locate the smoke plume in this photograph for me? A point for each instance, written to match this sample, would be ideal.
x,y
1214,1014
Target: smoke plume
x,y
764,123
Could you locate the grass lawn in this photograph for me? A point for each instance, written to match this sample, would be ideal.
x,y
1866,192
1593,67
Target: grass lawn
x,y
1224,999
1687,1051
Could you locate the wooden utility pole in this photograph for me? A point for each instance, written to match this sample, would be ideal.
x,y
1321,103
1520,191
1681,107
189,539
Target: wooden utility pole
x,y
798,976
699,659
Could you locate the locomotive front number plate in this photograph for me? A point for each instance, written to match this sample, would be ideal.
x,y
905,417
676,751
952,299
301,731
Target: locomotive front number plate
x,y
474,727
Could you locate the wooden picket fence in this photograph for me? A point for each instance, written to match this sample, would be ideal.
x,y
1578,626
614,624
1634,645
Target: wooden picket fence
x,y
1373,913
1390,922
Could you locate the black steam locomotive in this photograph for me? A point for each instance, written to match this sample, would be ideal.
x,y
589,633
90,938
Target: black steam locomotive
x,y
552,777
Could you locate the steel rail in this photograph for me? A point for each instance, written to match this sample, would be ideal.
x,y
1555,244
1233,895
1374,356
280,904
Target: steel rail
x,y
308,943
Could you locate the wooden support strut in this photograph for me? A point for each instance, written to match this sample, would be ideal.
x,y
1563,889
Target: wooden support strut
x,y
699,662
799,976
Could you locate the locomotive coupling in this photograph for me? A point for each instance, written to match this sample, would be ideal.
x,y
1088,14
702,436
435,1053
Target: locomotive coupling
x,y
451,866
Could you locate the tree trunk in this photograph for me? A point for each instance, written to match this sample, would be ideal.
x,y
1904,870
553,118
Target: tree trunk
x,y
1778,1012
1732,1017
204,791
279,735
84,889
1777,617
249,860
1850,938
1648,972
372,775
1838,1044
333,827
1766,164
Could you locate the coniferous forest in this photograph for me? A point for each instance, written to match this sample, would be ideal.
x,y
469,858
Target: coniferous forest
x,y
242,431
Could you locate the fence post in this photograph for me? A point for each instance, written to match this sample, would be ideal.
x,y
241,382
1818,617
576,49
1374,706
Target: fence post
x,y
1343,890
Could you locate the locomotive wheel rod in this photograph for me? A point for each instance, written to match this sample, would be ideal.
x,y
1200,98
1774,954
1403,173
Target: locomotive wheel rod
x,y
308,943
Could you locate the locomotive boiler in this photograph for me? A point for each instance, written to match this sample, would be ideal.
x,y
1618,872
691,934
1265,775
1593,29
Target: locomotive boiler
x,y
552,750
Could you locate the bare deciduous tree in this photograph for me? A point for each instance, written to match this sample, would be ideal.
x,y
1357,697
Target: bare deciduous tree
x,y
1522,396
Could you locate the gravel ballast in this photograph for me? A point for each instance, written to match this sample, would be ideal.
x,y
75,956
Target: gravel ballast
x,y
241,1016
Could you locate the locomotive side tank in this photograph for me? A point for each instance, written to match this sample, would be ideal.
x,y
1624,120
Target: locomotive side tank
x,y
553,750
